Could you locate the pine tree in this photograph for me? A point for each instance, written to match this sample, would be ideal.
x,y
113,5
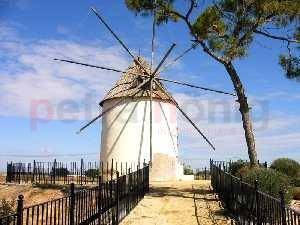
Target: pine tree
x,y
225,29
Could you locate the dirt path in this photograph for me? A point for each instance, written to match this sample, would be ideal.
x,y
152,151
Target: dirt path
x,y
178,203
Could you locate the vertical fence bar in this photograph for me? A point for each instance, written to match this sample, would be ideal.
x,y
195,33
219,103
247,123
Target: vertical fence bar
x,y
33,172
9,172
54,171
72,204
81,171
117,198
257,201
231,194
100,200
20,210
282,208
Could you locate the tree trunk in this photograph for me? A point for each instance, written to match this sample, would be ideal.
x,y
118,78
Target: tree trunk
x,y
244,109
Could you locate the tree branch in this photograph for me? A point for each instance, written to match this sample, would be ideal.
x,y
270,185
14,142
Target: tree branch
x,y
201,42
205,48
276,37
192,5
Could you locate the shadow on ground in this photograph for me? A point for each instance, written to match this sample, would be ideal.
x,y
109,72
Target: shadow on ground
x,y
179,192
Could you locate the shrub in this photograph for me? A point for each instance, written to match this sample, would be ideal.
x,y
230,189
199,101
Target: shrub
x,y
286,166
92,173
242,172
60,172
296,181
187,170
296,193
6,207
270,181
236,166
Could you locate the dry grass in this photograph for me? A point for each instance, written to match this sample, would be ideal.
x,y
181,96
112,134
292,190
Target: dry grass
x,y
2,178
178,203
32,195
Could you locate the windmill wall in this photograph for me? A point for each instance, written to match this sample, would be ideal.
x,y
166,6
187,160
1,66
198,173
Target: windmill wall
x,y
126,135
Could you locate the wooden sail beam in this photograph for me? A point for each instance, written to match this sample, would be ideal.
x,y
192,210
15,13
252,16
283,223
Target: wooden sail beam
x,y
151,120
194,86
118,39
163,59
153,34
158,78
194,45
89,65
186,116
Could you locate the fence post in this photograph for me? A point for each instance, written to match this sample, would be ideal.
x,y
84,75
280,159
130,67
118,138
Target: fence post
x,y
258,216
54,171
241,190
219,179
232,206
282,207
100,199
147,180
9,172
117,198
72,204
81,171
33,172
144,176
205,173
20,210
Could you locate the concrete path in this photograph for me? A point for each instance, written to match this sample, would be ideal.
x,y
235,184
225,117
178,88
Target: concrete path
x,y
178,203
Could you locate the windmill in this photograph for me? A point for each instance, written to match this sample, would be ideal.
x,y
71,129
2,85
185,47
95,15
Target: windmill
x,y
141,87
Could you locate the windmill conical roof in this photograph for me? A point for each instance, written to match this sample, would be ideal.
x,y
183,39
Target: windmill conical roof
x,y
129,83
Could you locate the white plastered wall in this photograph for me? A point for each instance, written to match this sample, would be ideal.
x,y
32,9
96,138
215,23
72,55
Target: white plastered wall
x,y
126,135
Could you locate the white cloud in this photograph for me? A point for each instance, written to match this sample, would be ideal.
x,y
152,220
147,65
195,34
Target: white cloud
x,y
29,74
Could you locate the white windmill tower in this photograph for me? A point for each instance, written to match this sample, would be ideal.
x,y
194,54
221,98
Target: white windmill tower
x,y
139,115
126,127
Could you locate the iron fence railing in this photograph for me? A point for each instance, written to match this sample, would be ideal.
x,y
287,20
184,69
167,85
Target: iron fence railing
x,y
202,174
247,203
107,203
55,172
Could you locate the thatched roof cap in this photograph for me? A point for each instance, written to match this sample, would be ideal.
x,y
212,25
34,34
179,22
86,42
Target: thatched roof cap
x,y
129,82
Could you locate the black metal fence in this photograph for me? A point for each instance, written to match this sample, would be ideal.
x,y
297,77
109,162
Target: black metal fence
x,y
107,203
247,203
55,172
202,174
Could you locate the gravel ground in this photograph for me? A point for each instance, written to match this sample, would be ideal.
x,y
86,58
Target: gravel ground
x,y
178,203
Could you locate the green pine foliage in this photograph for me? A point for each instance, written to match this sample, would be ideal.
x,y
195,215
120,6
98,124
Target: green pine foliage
x,y
289,167
229,27
146,7
291,66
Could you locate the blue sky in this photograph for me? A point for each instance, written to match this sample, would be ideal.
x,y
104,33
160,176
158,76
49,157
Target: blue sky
x,y
34,32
